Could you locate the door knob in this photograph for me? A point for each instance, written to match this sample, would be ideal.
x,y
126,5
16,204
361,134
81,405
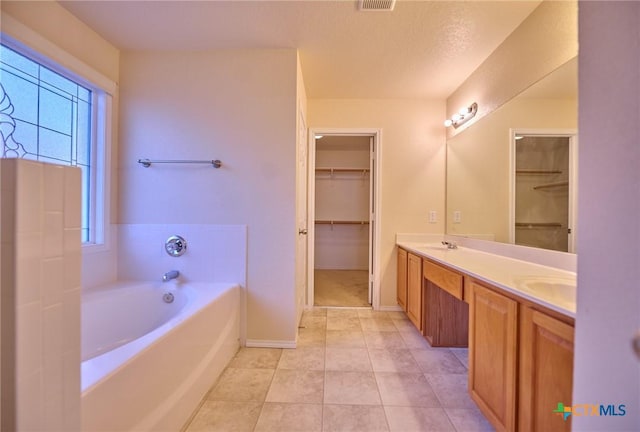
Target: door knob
x,y
302,231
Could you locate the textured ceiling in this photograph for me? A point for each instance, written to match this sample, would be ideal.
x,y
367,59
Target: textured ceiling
x,y
422,49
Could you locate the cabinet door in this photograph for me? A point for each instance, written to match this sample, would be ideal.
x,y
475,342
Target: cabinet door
x,y
414,290
402,279
492,355
546,371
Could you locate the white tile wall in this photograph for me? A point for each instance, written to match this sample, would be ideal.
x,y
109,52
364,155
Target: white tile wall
x,y
40,216
215,253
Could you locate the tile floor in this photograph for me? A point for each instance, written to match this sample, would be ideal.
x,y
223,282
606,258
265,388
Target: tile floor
x,y
353,370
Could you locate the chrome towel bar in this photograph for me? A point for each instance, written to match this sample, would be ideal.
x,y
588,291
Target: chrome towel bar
x,y
147,162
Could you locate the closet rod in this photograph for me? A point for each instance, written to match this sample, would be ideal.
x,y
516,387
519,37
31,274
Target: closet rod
x,y
341,222
538,224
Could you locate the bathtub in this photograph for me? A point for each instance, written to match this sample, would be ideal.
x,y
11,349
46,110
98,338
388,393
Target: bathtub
x,y
146,364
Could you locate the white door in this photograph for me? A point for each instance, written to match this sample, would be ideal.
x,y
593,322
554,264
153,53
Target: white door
x,y
302,176
372,213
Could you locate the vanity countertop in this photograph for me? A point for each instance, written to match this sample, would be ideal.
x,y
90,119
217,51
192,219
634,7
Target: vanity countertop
x,y
548,286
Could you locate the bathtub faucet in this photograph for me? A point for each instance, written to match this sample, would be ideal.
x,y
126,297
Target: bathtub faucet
x,y
173,274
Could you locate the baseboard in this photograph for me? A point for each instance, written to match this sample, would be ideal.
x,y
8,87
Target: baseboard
x,y
261,343
396,308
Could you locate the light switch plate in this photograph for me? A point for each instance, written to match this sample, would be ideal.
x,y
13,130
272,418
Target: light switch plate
x,y
433,216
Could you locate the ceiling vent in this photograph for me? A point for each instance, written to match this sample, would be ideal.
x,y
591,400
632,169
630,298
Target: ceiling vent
x,y
376,5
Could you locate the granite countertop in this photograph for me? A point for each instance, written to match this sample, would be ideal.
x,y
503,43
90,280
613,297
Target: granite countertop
x,y
550,287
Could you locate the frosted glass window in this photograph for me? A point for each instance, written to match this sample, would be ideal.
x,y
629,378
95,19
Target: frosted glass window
x,y
46,116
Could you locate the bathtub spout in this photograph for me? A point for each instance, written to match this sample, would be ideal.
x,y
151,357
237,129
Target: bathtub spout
x,y
173,274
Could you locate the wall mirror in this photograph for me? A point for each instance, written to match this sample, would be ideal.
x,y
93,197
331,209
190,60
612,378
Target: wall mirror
x,y
511,175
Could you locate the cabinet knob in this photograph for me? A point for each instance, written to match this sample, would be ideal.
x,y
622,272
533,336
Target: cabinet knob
x,y
635,342
302,231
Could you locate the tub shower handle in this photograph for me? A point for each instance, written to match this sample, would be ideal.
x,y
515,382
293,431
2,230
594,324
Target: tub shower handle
x,y
175,246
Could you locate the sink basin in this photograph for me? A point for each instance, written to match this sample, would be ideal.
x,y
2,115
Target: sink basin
x,y
556,289
434,246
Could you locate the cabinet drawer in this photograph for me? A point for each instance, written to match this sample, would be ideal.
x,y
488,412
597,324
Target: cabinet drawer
x,y
444,278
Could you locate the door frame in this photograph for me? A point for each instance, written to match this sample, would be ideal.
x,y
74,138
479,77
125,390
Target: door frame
x,y
374,244
572,134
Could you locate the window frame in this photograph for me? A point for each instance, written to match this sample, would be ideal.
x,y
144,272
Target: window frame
x,y
63,63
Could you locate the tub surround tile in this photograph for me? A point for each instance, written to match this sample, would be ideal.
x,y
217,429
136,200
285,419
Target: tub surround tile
x,y
304,358
351,388
290,417
393,360
296,386
225,416
406,389
343,418
451,390
241,385
417,419
348,359
438,361
256,358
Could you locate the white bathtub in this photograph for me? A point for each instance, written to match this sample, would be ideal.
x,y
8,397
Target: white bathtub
x,y
146,363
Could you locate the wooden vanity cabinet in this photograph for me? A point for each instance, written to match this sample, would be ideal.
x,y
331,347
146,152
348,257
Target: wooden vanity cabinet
x,y
546,370
414,290
401,286
445,314
493,353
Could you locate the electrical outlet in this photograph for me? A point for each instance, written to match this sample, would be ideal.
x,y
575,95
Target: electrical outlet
x,y
457,216
433,216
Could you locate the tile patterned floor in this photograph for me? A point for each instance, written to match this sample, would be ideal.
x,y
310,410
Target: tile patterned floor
x,y
353,370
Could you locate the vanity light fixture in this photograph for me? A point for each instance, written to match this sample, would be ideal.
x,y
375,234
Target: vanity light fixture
x,y
464,115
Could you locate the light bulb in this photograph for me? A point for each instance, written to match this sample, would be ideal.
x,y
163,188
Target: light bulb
x,y
456,117
448,123
464,111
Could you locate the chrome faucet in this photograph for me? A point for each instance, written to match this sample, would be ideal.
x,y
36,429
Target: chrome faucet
x,y
450,245
173,274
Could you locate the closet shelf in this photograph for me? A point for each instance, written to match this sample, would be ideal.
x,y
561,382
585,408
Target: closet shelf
x,y
537,171
552,185
538,225
342,170
341,222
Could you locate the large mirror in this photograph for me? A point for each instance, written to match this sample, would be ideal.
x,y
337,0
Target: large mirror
x,y
511,175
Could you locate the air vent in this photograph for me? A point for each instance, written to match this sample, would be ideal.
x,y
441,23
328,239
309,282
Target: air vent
x,y
376,5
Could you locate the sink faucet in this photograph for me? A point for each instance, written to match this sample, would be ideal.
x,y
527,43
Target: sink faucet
x,y
450,245
173,274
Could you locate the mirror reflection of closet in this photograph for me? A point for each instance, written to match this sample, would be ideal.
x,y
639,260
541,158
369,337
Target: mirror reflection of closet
x,y
544,191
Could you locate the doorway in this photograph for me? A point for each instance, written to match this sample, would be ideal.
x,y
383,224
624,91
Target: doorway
x,y
544,190
343,235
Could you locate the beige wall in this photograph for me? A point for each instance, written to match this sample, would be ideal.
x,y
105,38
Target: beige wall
x,y
606,370
478,164
412,166
238,106
543,42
